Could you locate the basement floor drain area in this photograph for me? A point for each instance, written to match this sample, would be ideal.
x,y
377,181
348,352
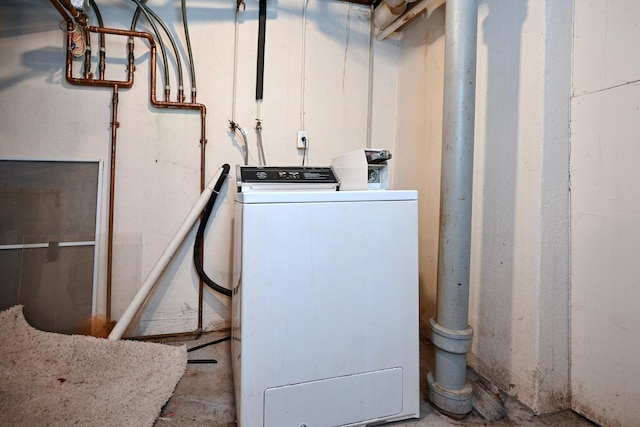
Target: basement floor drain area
x,y
204,396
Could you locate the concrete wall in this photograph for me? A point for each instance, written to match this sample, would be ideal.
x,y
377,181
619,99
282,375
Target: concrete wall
x,y
419,133
158,154
520,256
605,212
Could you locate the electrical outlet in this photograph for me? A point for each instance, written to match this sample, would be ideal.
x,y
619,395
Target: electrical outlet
x,y
303,139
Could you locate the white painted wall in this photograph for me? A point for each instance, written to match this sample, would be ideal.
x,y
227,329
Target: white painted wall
x,y
159,150
605,212
520,266
520,258
419,134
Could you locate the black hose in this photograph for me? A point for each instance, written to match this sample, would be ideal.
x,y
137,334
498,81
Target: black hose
x,y
198,347
96,10
103,52
218,341
163,49
174,45
87,53
262,23
192,66
201,361
197,247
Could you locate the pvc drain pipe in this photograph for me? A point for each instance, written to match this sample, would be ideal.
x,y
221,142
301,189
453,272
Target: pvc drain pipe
x,y
162,263
451,334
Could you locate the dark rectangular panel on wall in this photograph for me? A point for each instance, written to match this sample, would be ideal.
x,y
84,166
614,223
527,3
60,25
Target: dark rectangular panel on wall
x,y
47,241
39,184
31,213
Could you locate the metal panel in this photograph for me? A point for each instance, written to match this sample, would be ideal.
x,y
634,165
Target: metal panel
x,y
335,401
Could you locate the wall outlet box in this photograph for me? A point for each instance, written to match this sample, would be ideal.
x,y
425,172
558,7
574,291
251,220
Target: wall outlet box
x,y
303,139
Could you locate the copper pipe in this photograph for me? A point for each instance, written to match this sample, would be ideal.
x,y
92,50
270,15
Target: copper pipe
x,y
181,105
87,55
163,337
125,84
63,12
177,336
203,142
115,85
80,17
112,189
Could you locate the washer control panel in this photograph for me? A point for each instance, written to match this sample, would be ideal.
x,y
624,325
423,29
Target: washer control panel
x,y
270,178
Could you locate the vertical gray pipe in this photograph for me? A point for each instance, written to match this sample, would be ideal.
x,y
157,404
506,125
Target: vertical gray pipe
x,y
450,330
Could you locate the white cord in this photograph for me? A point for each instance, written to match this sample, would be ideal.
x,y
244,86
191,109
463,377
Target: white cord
x,y
370,86
235,67
303,64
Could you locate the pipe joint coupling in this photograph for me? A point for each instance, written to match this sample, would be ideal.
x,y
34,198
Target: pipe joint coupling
x,y
455,403
451,340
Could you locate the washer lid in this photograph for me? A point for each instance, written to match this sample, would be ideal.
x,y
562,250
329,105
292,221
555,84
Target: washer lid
x,y
326,196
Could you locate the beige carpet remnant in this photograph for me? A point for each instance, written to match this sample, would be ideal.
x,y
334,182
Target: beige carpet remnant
x,y
49,379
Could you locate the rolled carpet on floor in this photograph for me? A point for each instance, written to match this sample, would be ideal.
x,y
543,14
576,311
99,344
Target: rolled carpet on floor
x,y
49,379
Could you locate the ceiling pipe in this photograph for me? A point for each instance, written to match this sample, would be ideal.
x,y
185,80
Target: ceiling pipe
x,y
387,12
423,5
451,334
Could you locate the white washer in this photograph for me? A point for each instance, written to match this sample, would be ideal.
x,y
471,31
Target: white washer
x,y
325,308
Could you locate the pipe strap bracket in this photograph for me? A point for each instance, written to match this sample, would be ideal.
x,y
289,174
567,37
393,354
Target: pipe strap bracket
x,y
451,340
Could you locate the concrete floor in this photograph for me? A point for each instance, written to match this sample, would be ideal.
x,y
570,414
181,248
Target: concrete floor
x,y
204,397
